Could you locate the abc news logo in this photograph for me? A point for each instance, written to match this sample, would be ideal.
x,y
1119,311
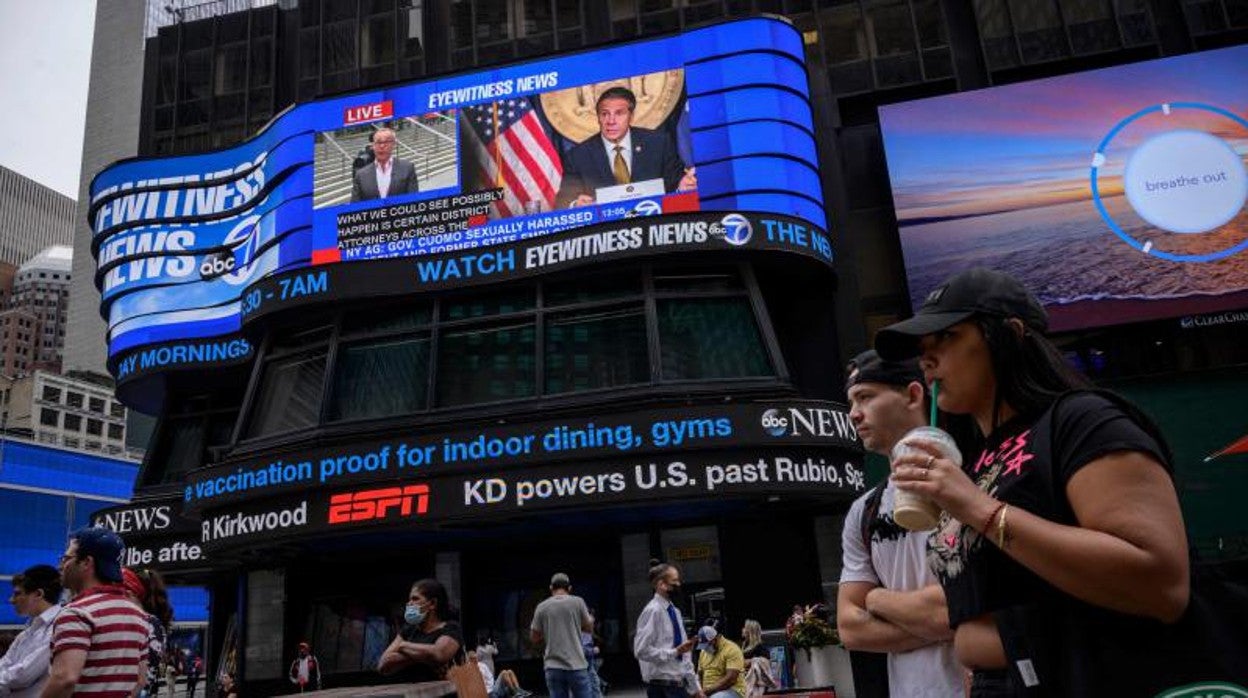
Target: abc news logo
x,y
814,421
216,265
381,503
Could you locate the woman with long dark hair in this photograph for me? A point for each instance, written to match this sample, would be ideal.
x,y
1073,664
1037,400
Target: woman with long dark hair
x,y
147,588
430,640
1062,546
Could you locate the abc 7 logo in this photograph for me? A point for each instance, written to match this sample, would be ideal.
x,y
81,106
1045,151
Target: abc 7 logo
x,y
774,423
737,229
648,207
223,263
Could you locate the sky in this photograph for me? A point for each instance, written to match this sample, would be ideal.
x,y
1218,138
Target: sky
x,y
45,62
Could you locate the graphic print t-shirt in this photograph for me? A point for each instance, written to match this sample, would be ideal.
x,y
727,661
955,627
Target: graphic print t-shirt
x,y
897,560
1022,466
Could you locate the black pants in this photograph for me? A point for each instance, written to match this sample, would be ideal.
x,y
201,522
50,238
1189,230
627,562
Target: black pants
x,y
659,691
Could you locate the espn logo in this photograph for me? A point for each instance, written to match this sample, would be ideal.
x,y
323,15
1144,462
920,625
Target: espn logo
x,y
367,505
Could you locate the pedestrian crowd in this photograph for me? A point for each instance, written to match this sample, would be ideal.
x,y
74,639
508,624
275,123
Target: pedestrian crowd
x,y
107,640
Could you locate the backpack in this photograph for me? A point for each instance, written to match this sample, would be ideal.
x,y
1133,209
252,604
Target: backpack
x,y
871,509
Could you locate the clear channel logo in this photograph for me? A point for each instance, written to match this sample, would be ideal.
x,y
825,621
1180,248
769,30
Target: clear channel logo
x,y
737,229
774,422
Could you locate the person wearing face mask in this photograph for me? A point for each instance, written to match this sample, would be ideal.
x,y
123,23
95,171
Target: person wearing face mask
x,y
305,671
430,640
661,645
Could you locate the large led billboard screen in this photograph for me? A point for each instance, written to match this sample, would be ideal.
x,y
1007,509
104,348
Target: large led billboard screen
x,y
716,119
1117,195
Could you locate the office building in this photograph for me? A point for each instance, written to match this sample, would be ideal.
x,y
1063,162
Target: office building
x,y
32,324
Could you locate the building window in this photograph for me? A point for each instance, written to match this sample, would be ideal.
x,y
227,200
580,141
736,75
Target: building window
x,y
117,410
385,374
48,417
73,399
231,69
555,338
706,327
51,394
599,341
97,405
95,427
116,432
377,35
487,363
72,422
181,442
288,396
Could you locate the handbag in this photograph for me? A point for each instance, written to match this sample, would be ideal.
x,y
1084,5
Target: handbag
x,y
468,680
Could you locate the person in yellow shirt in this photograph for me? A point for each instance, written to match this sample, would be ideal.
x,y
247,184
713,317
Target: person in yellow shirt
x,y
721,665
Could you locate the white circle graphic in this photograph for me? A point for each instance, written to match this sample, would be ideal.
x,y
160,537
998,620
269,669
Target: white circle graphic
x,y
1186,181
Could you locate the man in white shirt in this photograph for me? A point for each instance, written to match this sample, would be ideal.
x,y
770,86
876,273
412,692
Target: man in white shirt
x,y
24,669
661,645
386,175
888,600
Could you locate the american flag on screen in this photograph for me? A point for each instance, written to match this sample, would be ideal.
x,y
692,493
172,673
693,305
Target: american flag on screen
x,y
510,149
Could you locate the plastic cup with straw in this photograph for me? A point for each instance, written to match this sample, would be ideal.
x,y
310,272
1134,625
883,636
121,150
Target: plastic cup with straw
x,y
912,510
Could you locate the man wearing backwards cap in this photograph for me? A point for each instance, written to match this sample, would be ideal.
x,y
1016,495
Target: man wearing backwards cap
x,y
100,637
888,599
721,665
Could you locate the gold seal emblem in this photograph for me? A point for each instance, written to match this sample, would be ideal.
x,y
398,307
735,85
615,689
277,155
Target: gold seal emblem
x,y
571,111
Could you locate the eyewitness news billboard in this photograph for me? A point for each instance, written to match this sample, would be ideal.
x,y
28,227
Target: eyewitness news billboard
x,y
715,119
1117,195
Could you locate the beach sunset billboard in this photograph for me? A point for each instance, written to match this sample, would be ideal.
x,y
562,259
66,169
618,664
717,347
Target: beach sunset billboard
x,y
1117,195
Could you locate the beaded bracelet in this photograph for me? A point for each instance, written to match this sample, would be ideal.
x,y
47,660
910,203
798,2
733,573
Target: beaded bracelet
x,y
988,521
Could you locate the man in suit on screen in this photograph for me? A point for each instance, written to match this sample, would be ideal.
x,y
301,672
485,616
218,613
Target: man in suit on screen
x,y
620,154
386,175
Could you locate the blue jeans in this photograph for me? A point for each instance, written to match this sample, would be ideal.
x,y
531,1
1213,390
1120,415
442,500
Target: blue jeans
x,y
595,689
568,683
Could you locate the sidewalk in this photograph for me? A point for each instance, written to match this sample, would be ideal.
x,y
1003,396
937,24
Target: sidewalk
x,y
180,692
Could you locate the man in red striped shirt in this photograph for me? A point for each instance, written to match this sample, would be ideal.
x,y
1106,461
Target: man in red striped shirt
x,y
100,636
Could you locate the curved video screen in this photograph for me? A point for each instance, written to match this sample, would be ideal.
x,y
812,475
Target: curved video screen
x,y
1117,195
715,119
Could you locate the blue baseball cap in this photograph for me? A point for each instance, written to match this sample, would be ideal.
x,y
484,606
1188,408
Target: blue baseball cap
x,y
105,547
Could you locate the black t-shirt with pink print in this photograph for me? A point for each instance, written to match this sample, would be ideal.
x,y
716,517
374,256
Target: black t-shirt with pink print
x,y
1027,463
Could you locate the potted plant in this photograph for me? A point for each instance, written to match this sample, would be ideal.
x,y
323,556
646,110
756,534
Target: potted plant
x,y
819,659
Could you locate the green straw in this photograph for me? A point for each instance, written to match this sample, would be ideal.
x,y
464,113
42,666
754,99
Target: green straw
x,y
935,393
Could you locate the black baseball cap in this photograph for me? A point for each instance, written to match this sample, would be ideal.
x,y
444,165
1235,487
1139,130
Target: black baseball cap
x,y
976,291
868,367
